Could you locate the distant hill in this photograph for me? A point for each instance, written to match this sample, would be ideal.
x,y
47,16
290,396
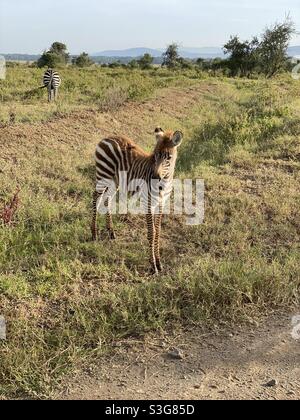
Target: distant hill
x,y
21,57
192,53
205,52
127,55
292,51
131,52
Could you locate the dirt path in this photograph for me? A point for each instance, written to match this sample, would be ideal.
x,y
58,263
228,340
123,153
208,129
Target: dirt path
x,y
232,365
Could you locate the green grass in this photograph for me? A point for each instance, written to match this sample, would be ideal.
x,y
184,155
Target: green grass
x,y
93,88
65,298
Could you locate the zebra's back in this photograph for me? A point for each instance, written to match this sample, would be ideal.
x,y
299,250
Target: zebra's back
x,y
116,154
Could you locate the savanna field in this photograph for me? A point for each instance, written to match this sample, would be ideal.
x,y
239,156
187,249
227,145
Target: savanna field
x,y
64,298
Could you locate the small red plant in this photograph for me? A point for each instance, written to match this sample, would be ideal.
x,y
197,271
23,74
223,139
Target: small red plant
x,y
10,209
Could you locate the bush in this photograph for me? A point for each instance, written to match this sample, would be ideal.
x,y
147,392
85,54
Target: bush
x,y
83,60
113,99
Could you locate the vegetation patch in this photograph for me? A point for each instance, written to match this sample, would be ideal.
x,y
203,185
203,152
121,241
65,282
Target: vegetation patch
x,y
64,298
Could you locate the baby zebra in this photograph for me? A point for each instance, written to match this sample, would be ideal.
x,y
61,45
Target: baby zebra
x,y
116,155
52,81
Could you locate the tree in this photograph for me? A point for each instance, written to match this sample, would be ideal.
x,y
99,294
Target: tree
x,y
49,59
83,60
146,61
57,55
274,45
133,64
200,63
115,64
185,64
243,56
59,48
171,56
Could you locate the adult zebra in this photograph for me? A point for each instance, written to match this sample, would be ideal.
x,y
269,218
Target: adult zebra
x,y
52,82
119,155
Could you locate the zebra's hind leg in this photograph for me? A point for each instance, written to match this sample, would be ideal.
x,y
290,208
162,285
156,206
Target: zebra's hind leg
x,y
49,93
55,94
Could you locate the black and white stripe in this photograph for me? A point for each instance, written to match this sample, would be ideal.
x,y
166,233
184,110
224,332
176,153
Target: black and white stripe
x,y
52,82
116,155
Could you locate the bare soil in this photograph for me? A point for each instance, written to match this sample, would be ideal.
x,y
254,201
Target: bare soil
x,y
234,365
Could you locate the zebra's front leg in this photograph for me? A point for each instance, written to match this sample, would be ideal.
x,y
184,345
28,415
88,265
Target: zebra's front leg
x,y
151,239
94,229
109,220
157,224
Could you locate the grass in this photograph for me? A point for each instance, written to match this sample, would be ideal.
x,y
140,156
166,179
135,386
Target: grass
x,y
93,88
65,299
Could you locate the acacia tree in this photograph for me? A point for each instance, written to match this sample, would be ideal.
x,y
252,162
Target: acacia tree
x,y
133,64
83,60
171,56
243,56
146,61
274,45
56,55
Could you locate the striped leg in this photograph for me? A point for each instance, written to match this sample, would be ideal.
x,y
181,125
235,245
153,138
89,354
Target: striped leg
x,y
109,220
49,93
97,196
94,229
151,238
157,224
55,94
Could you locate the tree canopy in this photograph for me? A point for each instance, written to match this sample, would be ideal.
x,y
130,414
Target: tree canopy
x,y
171,56
267,56
243,55
57,55
146,61
274,45
83,60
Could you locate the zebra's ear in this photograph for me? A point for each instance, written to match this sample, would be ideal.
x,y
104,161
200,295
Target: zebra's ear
x,y
159,133
177,138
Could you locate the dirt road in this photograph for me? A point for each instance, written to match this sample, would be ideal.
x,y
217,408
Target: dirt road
x,y
261,362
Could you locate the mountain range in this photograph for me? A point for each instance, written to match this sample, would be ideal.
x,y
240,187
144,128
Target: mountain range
x,y
126,55
205,52
192,53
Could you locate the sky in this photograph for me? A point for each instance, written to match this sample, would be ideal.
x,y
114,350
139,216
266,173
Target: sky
x,y
30,26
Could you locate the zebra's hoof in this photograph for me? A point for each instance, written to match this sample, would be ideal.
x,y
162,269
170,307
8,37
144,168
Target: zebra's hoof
x,y
159,266
112,236
153,271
